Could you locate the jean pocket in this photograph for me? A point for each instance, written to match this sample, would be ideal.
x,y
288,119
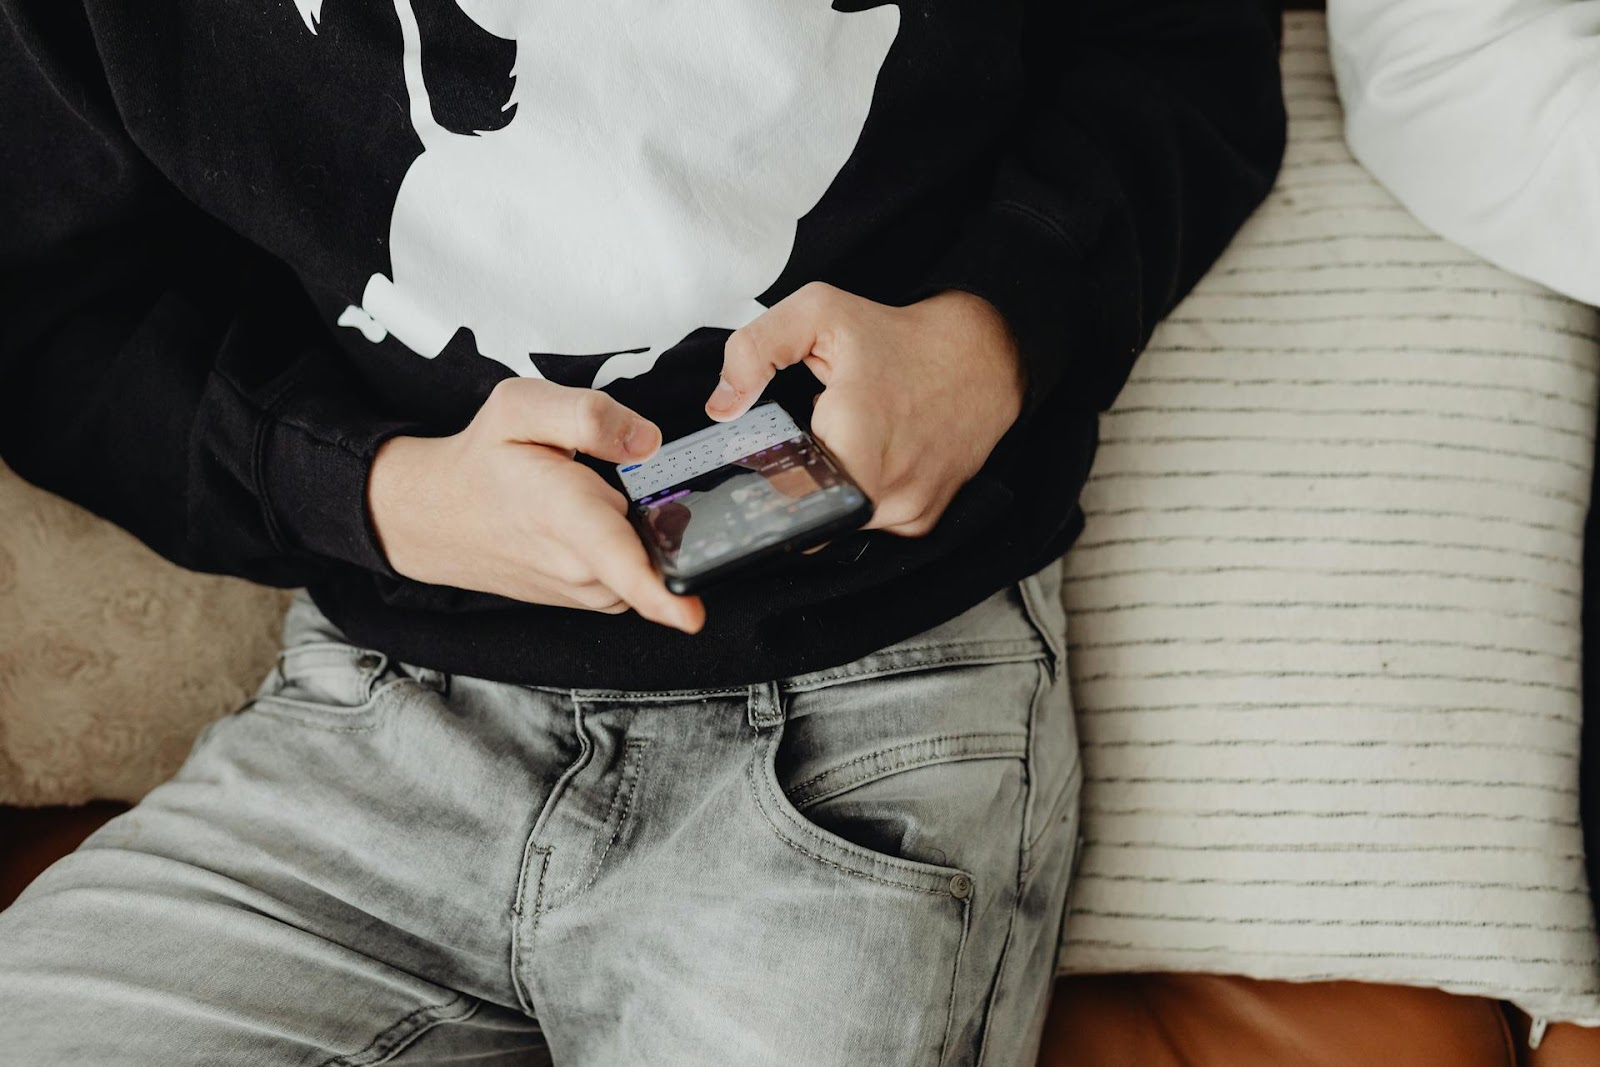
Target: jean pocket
x,y
909,777
849,855
330,685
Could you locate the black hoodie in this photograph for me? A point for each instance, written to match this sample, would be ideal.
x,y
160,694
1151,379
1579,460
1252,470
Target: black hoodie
x,y
241,245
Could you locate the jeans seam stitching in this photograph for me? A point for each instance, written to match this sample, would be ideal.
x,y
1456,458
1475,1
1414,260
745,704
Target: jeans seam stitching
x,y
664,696
952,643
1021,655
955,977
527,918
524,916
1025,841
398,1035
1073,787
1024,873
630,785
636,754
1041,690
341,647
757,784
806,791
1027,589
367,708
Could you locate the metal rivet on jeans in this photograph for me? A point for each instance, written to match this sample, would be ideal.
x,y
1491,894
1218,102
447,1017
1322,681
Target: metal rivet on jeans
x,y
369,661
961,887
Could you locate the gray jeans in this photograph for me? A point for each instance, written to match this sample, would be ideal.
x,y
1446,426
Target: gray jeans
x,y
373,863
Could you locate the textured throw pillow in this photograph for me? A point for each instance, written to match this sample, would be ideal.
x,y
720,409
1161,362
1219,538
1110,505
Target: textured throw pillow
x,y
111,659
1325,613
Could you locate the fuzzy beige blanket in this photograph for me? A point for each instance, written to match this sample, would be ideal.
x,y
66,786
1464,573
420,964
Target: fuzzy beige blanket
x,y
111,658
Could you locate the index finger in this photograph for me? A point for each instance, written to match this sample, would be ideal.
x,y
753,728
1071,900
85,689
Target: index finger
x,y
780,337
576,420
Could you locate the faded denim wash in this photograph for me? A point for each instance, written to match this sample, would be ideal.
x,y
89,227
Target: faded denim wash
x,y
377,864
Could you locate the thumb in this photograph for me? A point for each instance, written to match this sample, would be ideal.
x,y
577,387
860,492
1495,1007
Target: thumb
x,y
780,337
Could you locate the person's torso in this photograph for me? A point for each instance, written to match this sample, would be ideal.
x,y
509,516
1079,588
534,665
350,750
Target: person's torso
x,y
597,194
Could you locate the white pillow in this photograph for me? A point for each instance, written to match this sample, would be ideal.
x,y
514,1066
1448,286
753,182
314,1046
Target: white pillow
x,y
1325,612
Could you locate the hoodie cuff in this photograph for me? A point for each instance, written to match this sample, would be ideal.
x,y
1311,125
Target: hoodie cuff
x,y
313,466
1025,268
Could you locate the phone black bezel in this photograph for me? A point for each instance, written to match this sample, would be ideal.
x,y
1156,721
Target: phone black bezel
x,y
806,537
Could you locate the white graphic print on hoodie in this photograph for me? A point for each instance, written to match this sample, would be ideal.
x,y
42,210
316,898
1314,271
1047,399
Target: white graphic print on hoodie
x,y
648,184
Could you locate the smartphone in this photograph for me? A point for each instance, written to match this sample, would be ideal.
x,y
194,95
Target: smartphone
x,y
734,494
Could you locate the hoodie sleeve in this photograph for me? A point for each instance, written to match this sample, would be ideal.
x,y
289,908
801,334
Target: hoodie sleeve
x,y
155,367
1151,131
1483,119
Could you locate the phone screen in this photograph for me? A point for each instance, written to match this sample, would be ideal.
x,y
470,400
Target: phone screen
x,y
738,490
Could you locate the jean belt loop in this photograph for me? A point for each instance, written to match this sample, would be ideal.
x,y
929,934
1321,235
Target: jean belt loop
x,y
1041,602
766,706
438,681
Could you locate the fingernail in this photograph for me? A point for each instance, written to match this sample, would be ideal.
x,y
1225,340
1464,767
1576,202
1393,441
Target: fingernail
x,y
637,439
724,395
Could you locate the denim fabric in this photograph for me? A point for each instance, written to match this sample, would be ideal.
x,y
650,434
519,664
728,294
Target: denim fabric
x,y
373,863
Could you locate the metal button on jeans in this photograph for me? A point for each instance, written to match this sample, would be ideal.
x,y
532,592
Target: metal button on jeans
x,y
961,887
369,661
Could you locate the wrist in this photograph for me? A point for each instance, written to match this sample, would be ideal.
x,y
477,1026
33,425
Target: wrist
x,y
982,332
397,499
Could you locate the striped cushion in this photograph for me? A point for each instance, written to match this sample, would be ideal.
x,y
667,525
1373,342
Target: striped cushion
x,y
1325,612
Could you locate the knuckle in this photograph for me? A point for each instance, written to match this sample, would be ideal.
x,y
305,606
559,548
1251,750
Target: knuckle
x,y
837,334
502,398
740,352
815,293
633,584
596,597
591,411
571,571
825,422
567,568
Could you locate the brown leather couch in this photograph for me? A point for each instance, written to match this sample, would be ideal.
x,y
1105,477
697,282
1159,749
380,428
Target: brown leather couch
x,y
1155,1020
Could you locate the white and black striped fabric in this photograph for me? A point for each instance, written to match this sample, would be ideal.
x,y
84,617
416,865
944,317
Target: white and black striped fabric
x,y
1325,613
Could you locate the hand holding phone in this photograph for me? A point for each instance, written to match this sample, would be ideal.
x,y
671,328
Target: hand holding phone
x,y
502,507
727,497
914,398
